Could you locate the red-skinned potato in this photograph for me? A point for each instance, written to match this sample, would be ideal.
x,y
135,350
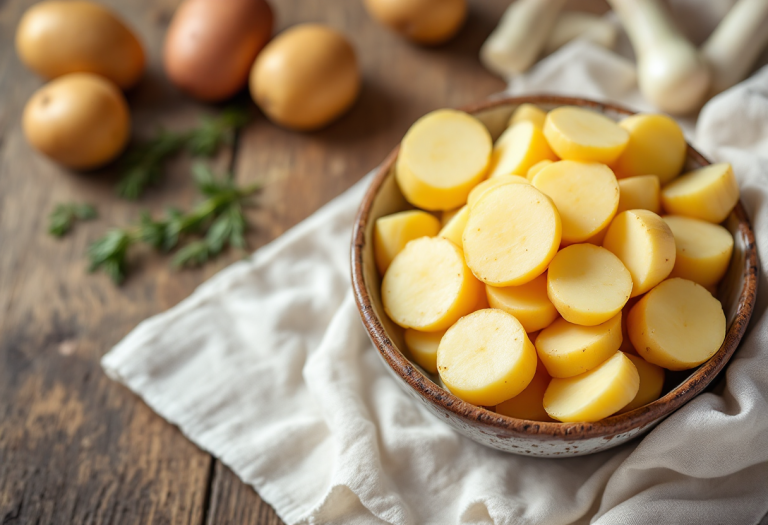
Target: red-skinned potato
x,y
211,44
427,22
306,77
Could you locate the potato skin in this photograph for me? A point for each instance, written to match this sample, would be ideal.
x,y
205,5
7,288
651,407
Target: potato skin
x,y
211,44
80,120
56,38
428,22
306,77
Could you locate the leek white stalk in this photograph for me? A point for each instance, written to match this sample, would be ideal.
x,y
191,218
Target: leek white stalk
x,y
734,46
571,25
672,74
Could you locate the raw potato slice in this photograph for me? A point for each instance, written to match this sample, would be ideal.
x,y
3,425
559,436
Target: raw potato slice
x,y
656,147
428,287
640,193
528,112
568,349
677,325
512,235
586,195
447,215
708,193
454,229
580,134
528,303
494,182
651,383
423,348
486,358
529,404
646,246
519,148
588,284
442,157
392,232
703,250
593,395
536,168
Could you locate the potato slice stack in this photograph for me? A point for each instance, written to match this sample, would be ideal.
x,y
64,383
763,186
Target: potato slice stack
x,y
554,235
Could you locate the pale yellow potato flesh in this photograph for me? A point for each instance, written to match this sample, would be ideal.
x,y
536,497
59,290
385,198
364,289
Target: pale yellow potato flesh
x,y
528,112
428,287
529,404
642,192
392,232
678,325
580,134
708,193
703,249
454,228
447,215
423,348
511,235
519,148
486,358
568,349
588,284
528,303
651,383
656,147
536,168
586,195
494,182
646,246
442,157
593,395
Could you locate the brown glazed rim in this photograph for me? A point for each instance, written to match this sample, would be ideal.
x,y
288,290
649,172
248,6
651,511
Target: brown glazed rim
x,y
492,423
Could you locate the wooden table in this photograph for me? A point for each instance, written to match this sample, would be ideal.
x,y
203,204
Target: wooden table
x,y
76,447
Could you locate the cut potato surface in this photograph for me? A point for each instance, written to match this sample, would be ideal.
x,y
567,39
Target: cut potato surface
x,y
580,134
586,196
454,229
588,284
536,168
392,232
651,383
442,157
428,286
646,246
528,112
423,348
708,193
511,235
494,182
528,303
486,358
656,147
642,192
447,215
529,404
593,395
677,325
568,349
703,249
519,148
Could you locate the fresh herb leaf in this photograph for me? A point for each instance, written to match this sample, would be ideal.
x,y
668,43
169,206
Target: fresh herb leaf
x,y
109,253
63,217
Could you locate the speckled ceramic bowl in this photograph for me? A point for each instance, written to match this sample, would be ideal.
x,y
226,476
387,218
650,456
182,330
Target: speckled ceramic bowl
x,y
737,293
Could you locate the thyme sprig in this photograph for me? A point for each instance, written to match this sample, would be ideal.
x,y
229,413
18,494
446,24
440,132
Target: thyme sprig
x,y
64,216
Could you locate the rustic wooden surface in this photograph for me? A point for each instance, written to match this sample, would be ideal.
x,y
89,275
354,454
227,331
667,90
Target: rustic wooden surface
x,y
76,447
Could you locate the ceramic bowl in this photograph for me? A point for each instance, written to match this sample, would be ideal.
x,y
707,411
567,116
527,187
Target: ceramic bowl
x,y
737,292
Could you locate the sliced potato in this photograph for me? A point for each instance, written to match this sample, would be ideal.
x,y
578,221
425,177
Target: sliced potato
x,y
529,404
587,136
651,383
703,249
536,168
528,112
454,229
708,193
528,303
642,192
656,147
494,182
519,148
423,348
392,232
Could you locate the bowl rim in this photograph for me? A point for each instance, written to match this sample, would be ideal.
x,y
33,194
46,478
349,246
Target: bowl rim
x,y
504,425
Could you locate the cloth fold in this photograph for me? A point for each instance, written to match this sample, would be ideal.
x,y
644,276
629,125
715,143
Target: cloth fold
x,y
268,367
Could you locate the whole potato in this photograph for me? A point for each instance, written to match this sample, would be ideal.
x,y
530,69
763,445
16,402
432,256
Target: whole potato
x,y
80,120
55,38
211,44
306,77
423,21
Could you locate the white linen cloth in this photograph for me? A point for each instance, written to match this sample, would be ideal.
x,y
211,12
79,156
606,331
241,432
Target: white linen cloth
x,y
268,367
